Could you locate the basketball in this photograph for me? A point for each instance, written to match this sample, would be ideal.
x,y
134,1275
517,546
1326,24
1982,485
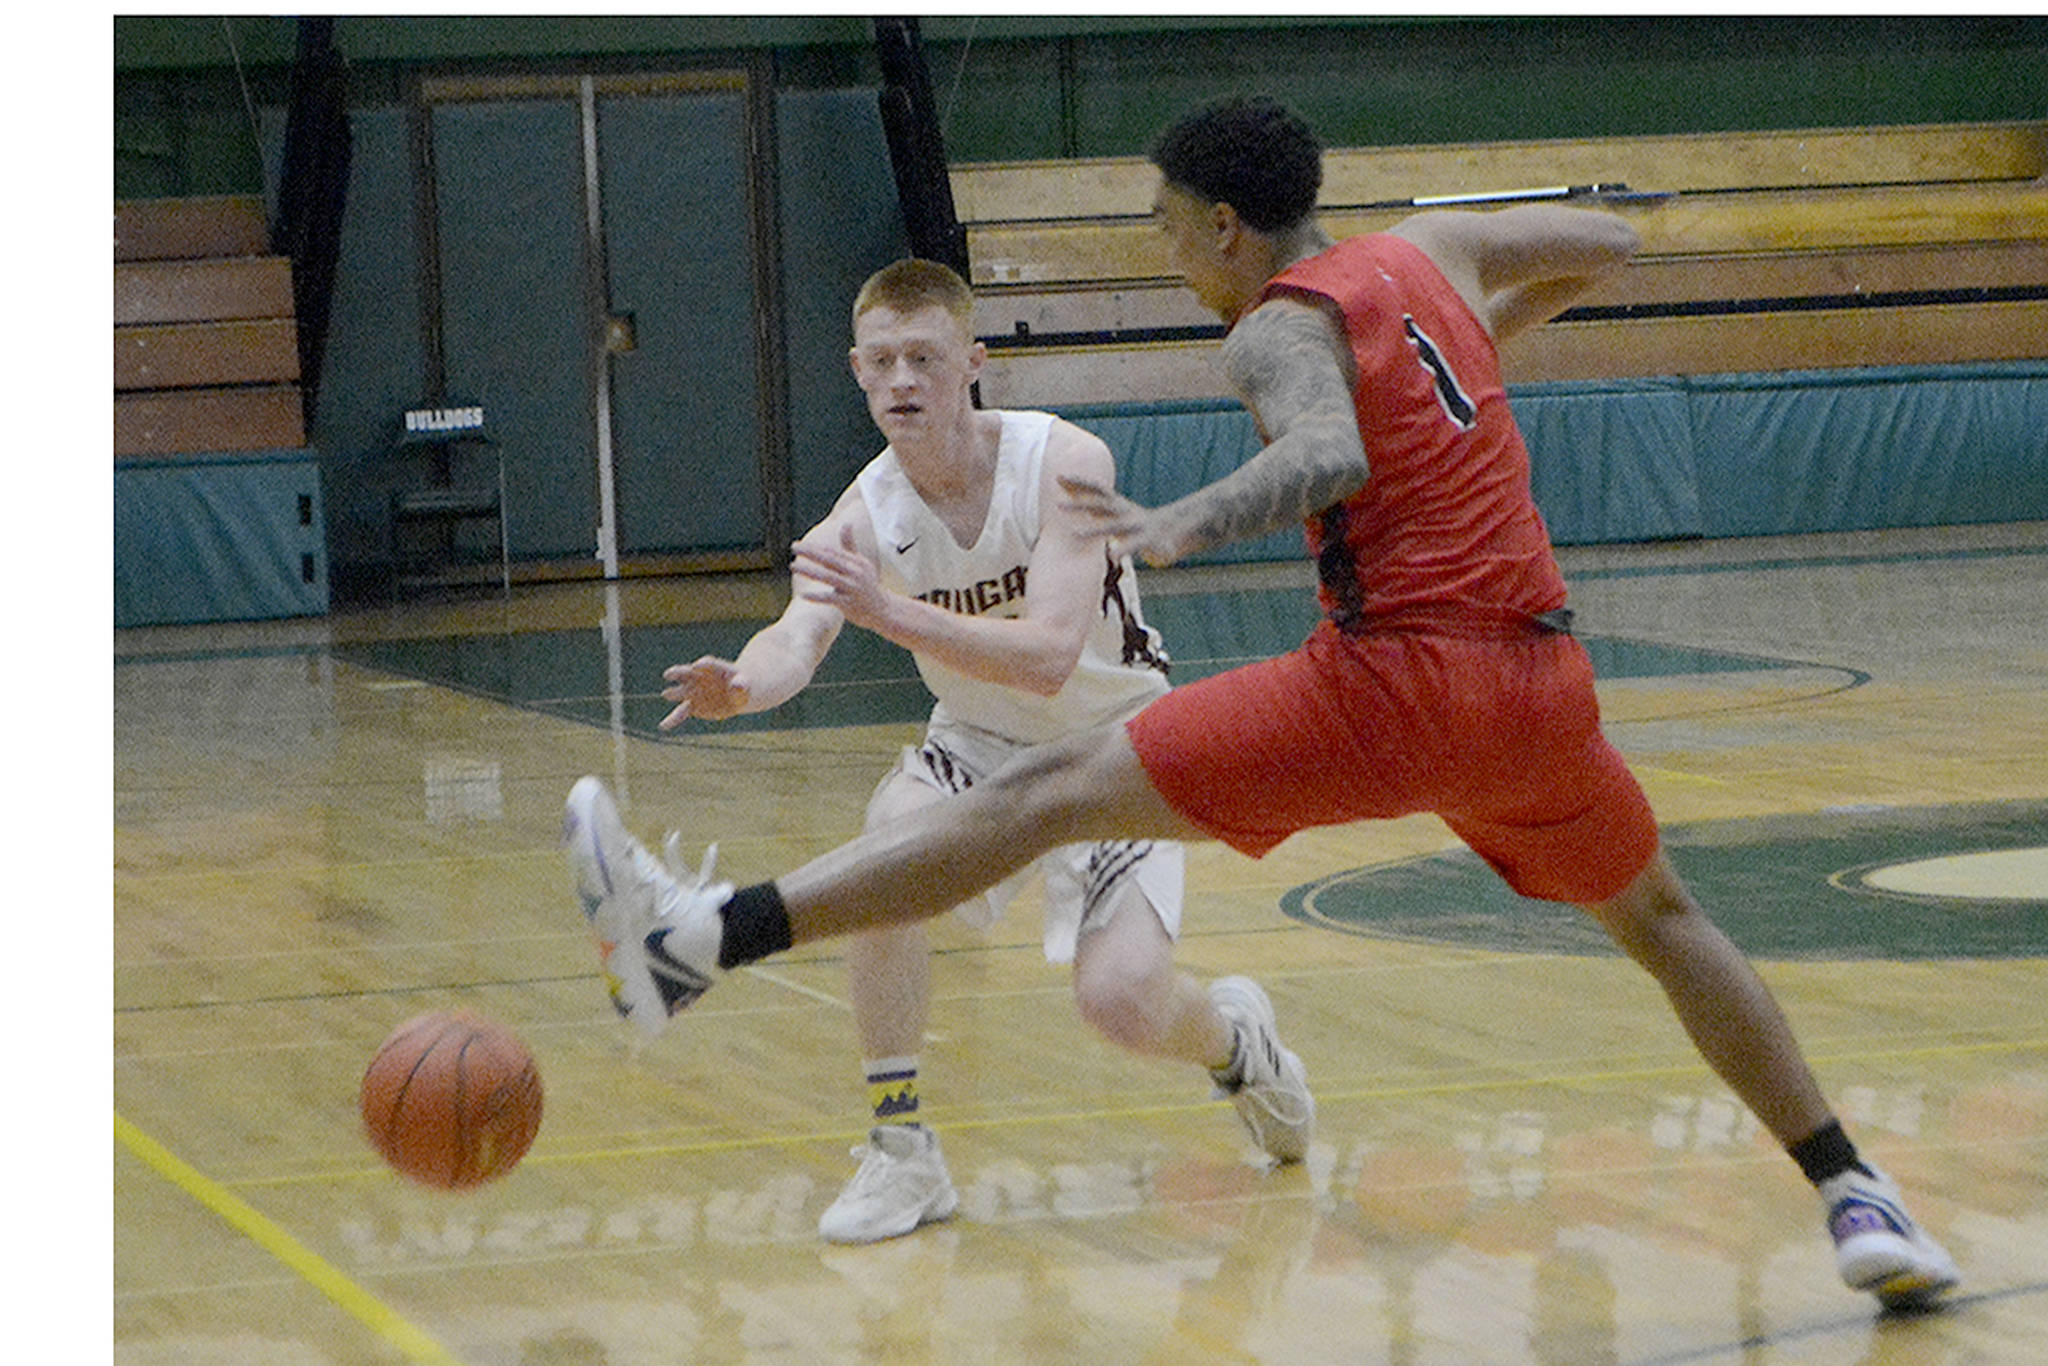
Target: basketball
x,y
452,1100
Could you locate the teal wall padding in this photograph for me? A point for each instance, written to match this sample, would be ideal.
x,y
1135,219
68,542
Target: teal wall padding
x,y
1612,462
1811,451
1724,455
230,538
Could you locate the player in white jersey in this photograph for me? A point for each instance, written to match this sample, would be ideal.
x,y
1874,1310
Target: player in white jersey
x,y
954,544
977,722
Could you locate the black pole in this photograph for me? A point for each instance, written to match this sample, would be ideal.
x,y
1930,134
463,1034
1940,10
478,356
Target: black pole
x,y
312,191
917,150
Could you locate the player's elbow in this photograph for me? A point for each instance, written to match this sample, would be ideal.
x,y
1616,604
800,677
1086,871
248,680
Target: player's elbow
x,y
1046,679
1047,671
1617,241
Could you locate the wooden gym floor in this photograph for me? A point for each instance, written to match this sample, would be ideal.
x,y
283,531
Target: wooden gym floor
x,y
322,828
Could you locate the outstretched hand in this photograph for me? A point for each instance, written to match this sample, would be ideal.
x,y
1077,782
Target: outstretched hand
x,y
1139,532
709,689
839,576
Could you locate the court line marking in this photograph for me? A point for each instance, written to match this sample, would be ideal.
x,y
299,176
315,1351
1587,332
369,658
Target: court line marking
x,y
1675,775
551,853
1290,572
1741,1350
316,1270
1833,561
825,998
791,984
1557,1079
1461,1086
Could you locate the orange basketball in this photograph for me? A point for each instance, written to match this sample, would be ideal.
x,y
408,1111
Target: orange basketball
x,y
452,1100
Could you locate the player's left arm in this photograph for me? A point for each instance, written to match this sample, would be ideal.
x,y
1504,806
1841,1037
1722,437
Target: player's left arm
x,y
1290,364
1036,650
1518,268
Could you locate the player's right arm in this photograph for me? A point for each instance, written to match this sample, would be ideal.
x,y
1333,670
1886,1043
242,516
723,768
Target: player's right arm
x,y
779,661
1288,361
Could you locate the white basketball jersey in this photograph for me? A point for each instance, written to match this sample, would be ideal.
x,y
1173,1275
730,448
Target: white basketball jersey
x,y
1122,665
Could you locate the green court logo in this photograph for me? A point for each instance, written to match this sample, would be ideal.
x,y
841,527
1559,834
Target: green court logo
x,y
1865,882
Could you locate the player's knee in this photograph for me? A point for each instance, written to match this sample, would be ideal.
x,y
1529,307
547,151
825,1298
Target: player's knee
x,y
1653,908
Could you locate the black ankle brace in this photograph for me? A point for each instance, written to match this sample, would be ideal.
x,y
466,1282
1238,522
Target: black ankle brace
x,y
756,925
1826,1152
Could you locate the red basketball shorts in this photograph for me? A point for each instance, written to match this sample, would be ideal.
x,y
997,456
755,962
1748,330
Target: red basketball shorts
x,y
1498,736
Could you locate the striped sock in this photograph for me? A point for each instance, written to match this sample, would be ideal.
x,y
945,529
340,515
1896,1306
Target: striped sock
x,y
892,1089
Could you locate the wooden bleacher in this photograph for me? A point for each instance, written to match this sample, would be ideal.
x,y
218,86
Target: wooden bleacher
x,y
205,345
1815,249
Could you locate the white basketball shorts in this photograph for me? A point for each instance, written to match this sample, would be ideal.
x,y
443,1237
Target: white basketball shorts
x,y
1085,884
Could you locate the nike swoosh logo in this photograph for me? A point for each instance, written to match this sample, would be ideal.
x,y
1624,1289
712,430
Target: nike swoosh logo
x,y
679,984
904,549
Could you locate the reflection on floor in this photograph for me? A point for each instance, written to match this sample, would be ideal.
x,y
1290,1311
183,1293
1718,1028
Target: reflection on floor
x,y
324,827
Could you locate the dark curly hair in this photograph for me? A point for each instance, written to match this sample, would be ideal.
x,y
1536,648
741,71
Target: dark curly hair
x,y
1251,153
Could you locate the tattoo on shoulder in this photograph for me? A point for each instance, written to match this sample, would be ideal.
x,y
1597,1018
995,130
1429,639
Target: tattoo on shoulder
x,y
1285,358
1284,361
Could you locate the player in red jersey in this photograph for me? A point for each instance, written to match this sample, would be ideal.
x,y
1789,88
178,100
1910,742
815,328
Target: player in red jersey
x,y
1442,677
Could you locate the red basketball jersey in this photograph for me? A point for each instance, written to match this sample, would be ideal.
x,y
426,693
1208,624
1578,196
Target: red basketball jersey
x,y
1445,532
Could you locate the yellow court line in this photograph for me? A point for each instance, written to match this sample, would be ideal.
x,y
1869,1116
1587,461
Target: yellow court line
x,y
1446,1086
1673,775
373,1313
549,853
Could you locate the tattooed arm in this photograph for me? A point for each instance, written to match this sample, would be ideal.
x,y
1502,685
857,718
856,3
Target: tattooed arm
x,y
1288,362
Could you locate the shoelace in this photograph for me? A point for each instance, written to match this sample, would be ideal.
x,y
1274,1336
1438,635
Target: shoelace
x,y
682,884
676,868
876,1165
1263,1096
1270,1070
679,867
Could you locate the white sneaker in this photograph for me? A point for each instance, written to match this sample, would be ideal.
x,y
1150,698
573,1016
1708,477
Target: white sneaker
x,y
658,938
902,1183
1878,1247
1272,1098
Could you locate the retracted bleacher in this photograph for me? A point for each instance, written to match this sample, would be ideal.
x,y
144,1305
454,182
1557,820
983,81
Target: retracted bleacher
x,y
1824,329
217,510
